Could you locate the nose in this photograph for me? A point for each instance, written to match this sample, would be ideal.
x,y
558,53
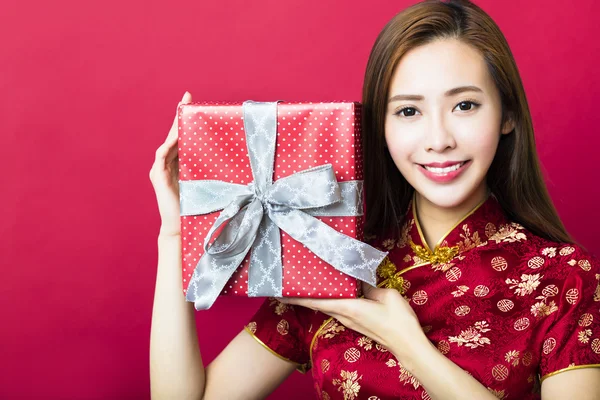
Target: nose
x,y
440,137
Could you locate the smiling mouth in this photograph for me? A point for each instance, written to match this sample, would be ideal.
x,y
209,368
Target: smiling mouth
x,y
444,170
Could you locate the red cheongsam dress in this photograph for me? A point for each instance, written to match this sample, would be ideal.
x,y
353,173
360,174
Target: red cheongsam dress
x,y
507,306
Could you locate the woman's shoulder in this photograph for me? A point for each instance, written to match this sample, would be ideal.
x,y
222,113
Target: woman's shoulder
x,y
559,261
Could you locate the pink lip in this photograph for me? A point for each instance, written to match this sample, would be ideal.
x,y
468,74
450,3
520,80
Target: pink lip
x,y
444,177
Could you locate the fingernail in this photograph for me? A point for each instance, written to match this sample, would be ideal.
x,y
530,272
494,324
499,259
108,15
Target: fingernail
x,y
183,96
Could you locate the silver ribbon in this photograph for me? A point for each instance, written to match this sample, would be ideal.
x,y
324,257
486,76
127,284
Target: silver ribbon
x,y
253,214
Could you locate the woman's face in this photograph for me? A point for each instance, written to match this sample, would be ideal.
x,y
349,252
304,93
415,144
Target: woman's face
x,y
443,122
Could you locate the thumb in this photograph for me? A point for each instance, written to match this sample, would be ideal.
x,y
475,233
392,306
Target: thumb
x,y
187,98
372,292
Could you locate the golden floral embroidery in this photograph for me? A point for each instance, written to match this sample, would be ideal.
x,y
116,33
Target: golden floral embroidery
x,y
541,309
469,241
572,263
405,233
440,255
365,342
407,258
280,307
597,292
512,357
460,291
498,393
331,329
442,266
506,233
348,384
527,285
388,244
549,252
405,376
584,336
472,337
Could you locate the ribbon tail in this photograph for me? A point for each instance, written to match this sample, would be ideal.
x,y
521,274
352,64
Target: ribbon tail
x,y
348,255
222,258
266,269
210,277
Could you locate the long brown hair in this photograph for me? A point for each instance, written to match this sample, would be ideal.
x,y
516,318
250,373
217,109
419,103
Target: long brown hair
x,y
515,177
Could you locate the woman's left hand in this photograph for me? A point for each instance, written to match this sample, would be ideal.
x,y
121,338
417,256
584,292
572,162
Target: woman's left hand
x,y
382,315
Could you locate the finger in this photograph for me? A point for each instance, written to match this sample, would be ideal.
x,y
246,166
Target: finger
x,y
172,136
374,293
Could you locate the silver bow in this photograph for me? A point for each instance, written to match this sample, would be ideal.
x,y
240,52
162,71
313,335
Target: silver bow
x,y
253,214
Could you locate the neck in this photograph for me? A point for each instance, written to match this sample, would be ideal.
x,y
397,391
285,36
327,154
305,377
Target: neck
x,y
436,221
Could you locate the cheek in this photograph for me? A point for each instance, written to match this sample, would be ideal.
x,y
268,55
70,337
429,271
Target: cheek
x,y
402,143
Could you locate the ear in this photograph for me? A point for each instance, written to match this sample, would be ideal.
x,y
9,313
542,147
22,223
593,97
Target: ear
x,y
508,126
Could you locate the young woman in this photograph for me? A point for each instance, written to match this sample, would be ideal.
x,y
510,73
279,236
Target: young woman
x,y
483,295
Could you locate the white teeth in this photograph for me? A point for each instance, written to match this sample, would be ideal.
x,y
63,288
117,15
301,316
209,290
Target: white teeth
x,y
443,170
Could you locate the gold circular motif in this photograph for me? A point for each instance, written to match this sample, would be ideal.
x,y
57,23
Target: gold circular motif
x,y
443,347
499,264
521,324
453,274
549,345
352,355
505,305
283,327
527,358
550,291
481,291
252,327
596,346
535,262
572,296
586,319
585,265
461,311
500,372
373,398
565,251
325,364
420,297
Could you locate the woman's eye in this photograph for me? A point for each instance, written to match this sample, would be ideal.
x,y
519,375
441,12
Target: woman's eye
x,y
407,112
466,105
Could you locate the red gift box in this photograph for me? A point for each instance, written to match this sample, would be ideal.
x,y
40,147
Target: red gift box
x,y
212,146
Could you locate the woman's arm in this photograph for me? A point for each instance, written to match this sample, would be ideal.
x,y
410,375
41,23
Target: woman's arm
x,y
243,370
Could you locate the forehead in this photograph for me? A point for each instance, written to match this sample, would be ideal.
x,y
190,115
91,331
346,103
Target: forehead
x,y
438,66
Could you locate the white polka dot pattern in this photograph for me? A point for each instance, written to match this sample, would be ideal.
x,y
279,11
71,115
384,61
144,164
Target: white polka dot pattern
x,y
212,146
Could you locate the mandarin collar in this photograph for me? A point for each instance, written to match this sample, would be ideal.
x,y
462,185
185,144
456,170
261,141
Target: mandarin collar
x,y
484,223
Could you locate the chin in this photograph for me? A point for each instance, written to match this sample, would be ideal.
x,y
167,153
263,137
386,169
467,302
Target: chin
x,y
453,196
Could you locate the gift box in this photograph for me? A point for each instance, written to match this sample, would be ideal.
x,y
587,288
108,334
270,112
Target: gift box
x,y
271,201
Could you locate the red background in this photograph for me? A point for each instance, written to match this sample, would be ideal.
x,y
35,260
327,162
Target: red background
x,y
89,90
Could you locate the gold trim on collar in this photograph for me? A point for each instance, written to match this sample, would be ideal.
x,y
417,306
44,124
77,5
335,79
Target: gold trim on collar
x,y
437,245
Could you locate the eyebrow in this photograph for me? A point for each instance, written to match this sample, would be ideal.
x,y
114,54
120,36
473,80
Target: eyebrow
x,y
451,92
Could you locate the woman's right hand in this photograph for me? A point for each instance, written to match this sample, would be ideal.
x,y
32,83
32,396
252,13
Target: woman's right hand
x,y
164,177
